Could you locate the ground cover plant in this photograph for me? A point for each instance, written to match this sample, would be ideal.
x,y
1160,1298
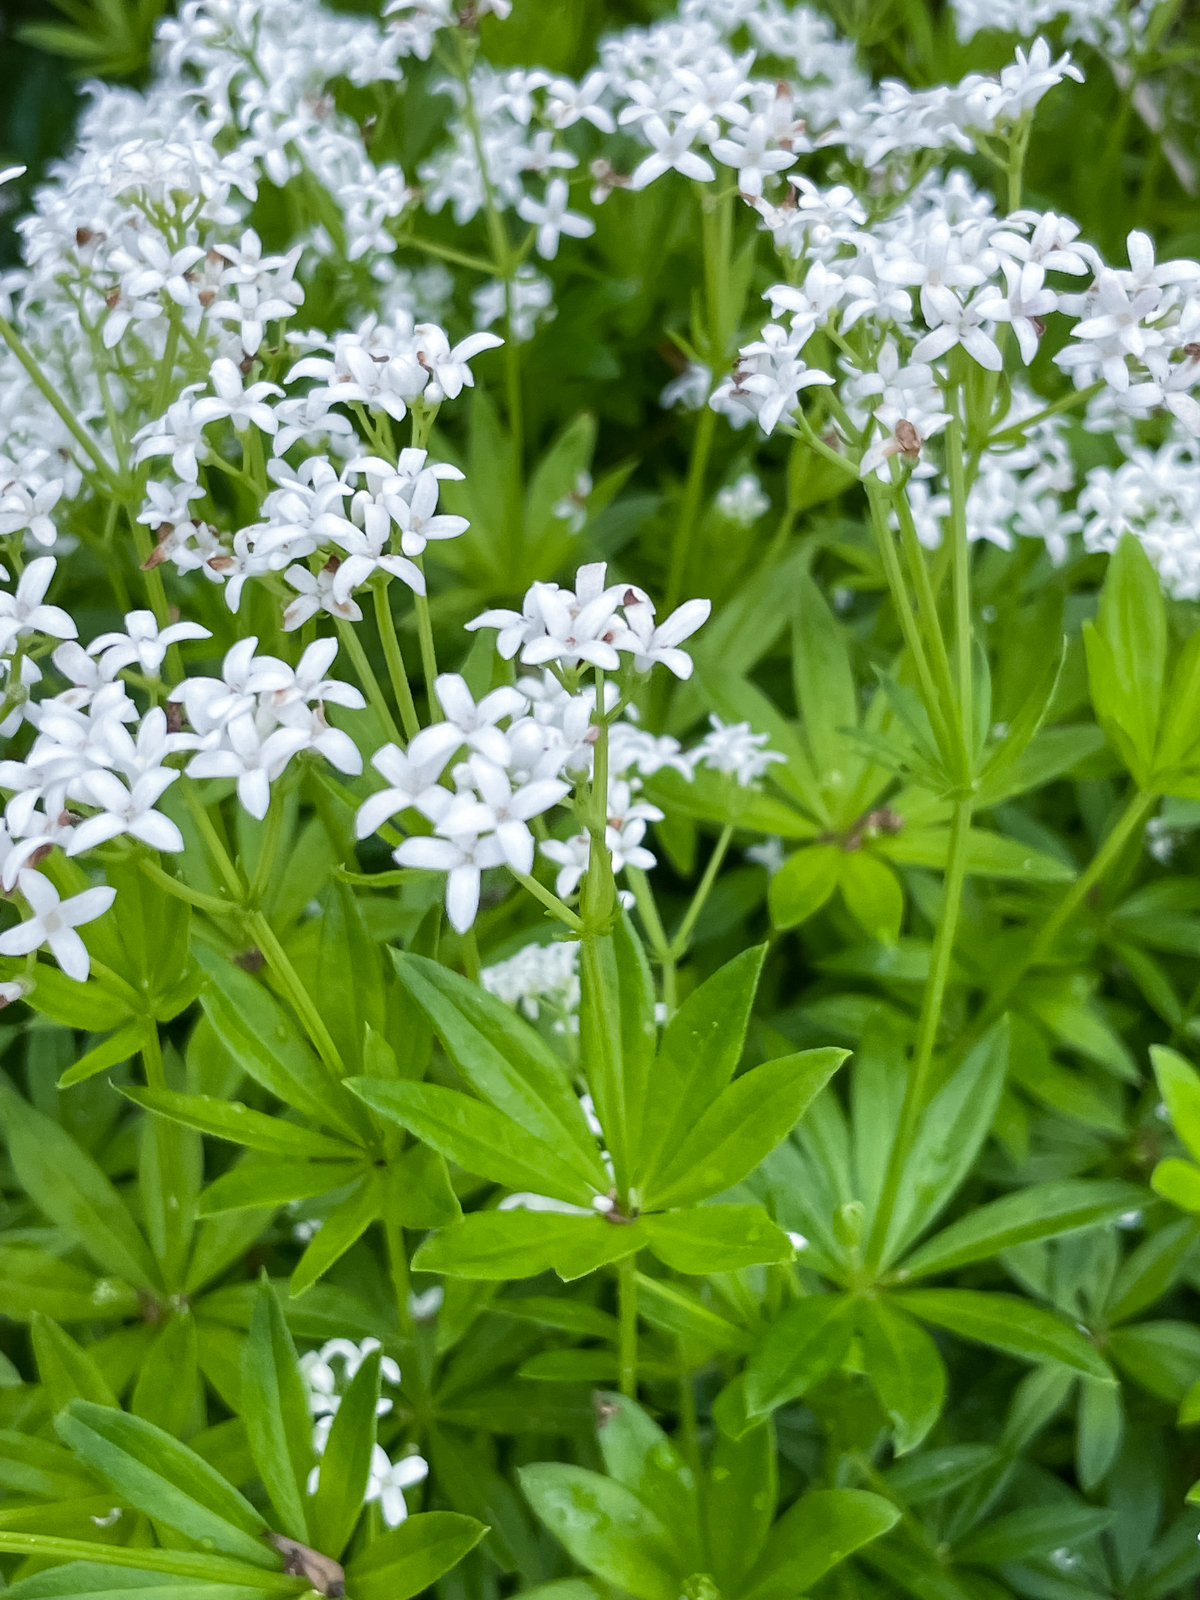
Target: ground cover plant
x,y
601,681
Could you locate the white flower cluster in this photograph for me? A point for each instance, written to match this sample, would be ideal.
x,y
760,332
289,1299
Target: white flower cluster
x,y
538,976
1106,23
1155,494
327,1373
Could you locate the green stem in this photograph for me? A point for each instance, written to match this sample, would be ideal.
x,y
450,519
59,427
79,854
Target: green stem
x,y
207,903
628,1338
680,942
916,1089
689,506
264,937
1068,402
26,357
152,1057
212,839
428,654
395,662
269,849
549,899
962,591
398,1266
367,678
927,610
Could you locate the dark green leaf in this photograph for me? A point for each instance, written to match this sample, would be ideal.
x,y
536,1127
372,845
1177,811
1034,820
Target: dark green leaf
x,y
605,1528
1007,1323
820,1530
276,1413
905,1370
413,1556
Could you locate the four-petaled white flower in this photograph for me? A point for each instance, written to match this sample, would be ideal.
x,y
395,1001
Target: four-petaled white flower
x,y
243,407
54,922
24,612
143,642
551,218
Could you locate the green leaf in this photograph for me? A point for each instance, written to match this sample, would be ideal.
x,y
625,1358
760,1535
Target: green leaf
x,y
801,1347
170,1483
804,883
97,1582
31,1280
952,1131
1179,1182
1033,1531
639,1456
989,855
481,1139
740,1501
742,1127
671,1309
1132,622
505,1061
1007,1323
824,685
1179,1085
118,1047
257,1033
344,1225
254,1184
67,1185
905,1370
346,1462
33,1466
605,1528
717,1238
196,1564
697,1055
475,1488
67,1371
89,1006
410,1558
349,979
617,1031
418,1193
1164,1357
276,1413
230,1119
166,1389
873,895
520,1244
1043,1211
820,1530
1099,1430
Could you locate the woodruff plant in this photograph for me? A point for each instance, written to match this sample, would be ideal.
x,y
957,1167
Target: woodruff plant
x,y
365,707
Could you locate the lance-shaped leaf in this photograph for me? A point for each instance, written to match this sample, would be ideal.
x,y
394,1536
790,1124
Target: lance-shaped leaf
x,y
197,1565
639,1455
605,1528
345,1224
80,1578
697,1055
170,1483
276,1412
413,1556
504,1060
820,1530
801,1347
346,1461
1043,1211
253,1184
716,1239
520,1244
33,1280
230,1119
67,1185
905,1370
742,1127
1007,1323
481,1139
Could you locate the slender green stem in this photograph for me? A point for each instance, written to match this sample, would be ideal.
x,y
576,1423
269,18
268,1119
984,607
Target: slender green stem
x,y
470,952
1068,402
410,241
398,1267
684,932
212,839
656,933
27,359
1133,818
549,899
905,615
428,654
927,609
152,1057
395,661
916,1089
689,506
512,379
962,591
628,1336
269,848
207,903
264,937
367,678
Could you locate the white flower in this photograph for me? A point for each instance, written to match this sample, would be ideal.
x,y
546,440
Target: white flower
x,y
506,811
573,507
389,1479
243,407
410,775
468,723
551,218
958,324
24,613
448,366
178,434
673,149
26,507
754,152
463,859
143,642
255,762
315,593
1027,302
571,856
127,811
743,502
650,644
567,102
54,922
734,749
